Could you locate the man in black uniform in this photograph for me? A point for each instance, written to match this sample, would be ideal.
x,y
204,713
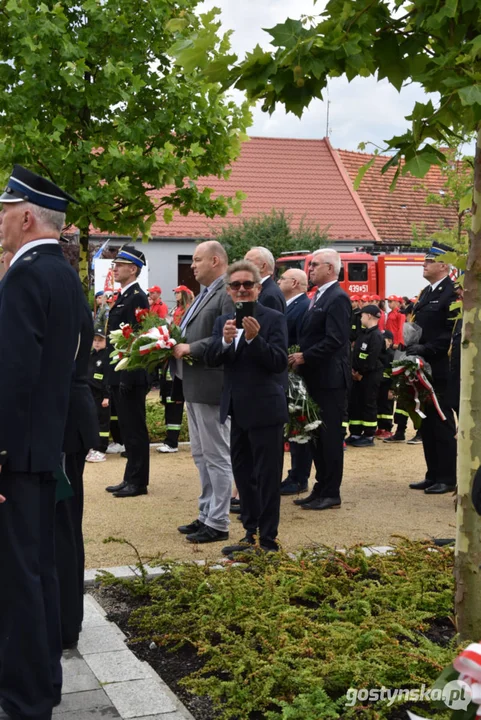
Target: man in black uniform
x,y
129,388
434,314
40,312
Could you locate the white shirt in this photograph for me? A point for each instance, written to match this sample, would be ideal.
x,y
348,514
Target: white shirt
x,y
434,285
29,246
291,300
323,289
122,290
265,278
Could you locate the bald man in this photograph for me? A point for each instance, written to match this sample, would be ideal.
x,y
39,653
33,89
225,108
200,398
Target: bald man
x,y
202,389
293,284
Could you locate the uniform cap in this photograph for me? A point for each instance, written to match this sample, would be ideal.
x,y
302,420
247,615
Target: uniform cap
x,y
99,293
365,298
355,298
375,297
155,288
182,288
26,186
371,310
395,298
436,250
130,255
388,334
100,332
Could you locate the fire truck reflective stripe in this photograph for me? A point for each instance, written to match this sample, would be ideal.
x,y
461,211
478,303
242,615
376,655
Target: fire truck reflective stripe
x,y
401,412
98,376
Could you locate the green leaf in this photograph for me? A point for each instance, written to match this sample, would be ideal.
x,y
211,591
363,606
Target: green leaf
x,y
286,34
418,166
168,215
470,95
362,171
466,201
177,24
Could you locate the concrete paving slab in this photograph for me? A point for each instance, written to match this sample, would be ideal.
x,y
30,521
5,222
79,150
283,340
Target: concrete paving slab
x,y
115,667
167,716
94,614
101,639
140,698
83,702
77,676
97,714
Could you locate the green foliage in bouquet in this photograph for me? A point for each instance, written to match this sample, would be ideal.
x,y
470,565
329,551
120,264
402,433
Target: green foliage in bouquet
x,y
406,389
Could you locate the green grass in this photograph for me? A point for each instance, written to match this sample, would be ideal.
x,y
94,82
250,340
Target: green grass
x,y
286,638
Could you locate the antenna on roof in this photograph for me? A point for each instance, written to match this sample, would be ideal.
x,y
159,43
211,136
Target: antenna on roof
x,y
328,131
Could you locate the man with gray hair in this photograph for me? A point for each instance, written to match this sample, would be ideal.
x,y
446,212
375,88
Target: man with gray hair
x,y
202,388
270,295
324,362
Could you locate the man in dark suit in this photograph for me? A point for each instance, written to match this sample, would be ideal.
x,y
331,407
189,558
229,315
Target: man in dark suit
x,y
434,314
254,395
293,285
40,311
270,295
324,362
129,387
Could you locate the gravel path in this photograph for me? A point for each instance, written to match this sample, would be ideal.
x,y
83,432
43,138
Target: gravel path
x,y
377,505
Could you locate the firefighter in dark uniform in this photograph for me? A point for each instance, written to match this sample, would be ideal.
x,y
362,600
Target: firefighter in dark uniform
x,y
41,303
366,376
434,314
356,326
385,402
129,388
98,375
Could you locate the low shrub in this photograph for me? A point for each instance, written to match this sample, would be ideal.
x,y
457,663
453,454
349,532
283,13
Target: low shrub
x,y
155,416
284,638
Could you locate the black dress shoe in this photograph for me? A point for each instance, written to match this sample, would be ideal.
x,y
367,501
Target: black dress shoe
x,y
116,488
322,504
234,509
246,542
440,489
131,491
191,527
293,488
304,501
123,454
423,485
234,501
207,534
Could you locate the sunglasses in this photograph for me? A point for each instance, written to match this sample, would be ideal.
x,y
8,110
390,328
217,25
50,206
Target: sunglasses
x,y
247,284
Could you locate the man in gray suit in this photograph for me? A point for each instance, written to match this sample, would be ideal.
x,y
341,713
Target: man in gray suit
x,y
202,387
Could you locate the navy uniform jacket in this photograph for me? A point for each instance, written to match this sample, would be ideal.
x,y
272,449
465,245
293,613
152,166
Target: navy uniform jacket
x,y
271,296
123,311
40,312
294,315
255,374
324,341
432,312
82,429
98,371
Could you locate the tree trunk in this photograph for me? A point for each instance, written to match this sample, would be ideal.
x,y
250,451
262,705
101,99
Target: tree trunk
x,y
84,260
468,530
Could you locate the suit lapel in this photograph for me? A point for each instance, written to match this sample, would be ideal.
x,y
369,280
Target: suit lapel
x,y
325,298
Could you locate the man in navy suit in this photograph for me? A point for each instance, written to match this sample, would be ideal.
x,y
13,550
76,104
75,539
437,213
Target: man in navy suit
x,y
324,362
270,295
254,395
40,319
293,285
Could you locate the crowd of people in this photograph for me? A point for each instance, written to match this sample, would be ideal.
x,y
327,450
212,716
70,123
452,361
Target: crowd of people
x,y
243,333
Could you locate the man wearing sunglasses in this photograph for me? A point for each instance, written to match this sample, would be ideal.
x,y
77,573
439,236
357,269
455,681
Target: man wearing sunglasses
x,y
254,357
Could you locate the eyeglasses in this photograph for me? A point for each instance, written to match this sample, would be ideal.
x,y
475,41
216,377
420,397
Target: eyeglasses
x,y
316,264
247,284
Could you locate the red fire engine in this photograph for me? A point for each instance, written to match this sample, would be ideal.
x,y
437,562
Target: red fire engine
x,y
362,273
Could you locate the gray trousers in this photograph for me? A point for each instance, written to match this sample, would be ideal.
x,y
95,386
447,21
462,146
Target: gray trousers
x,y
210,447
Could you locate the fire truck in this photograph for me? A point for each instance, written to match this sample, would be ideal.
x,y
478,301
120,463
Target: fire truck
x,y
362,273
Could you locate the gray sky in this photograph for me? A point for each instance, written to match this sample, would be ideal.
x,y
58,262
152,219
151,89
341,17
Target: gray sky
x,y
360,111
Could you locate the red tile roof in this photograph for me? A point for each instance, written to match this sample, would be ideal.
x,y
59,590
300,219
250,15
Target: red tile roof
x,y
394,213
303,177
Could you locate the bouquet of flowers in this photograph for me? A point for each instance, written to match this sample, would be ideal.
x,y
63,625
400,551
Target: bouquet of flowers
x,y
147,345
412,383
304,416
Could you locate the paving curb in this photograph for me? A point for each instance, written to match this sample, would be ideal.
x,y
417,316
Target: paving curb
x,y
104,679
